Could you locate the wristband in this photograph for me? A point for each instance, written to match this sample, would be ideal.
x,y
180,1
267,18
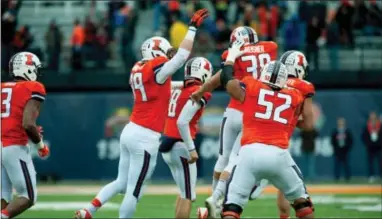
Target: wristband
x,y
40,145
190,34
226,75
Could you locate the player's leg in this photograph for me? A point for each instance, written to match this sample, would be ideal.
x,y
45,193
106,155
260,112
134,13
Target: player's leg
x,y
288,179
6,188
220,189
258,189
283,205
185,177
111,189
239,186
143,158
19,166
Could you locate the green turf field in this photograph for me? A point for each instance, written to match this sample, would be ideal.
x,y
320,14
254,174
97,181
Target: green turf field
x,y
162,206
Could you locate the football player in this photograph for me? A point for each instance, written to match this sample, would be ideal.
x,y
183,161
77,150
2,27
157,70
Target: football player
x,y
269,110
256,55
150,81
297,66
177,147
20,107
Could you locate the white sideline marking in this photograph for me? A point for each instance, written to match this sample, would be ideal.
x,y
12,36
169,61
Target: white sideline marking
x,y
69,206
370,208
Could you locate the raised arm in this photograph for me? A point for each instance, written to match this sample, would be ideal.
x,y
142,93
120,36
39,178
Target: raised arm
x,y
181,56
233,86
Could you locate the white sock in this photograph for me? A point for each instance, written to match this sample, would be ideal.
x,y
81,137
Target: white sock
x,y
219,190
214,183
128,206
106,193
4,216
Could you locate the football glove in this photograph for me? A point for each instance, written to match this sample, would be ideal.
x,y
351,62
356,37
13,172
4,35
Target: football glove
x,y
198,17
43,152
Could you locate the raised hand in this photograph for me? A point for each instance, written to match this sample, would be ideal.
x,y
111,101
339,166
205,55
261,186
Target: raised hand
x,y
198,17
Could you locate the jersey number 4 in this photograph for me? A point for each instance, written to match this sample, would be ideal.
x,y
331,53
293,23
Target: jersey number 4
x,y
172,106
270,108
136,83
6,102
263,59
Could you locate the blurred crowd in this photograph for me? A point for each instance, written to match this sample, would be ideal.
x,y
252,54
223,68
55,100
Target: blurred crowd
x,y
101,36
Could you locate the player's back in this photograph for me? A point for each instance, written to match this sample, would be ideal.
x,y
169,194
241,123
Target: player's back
x,y
268,113
179,98
251,62
150,97
14,96
307,90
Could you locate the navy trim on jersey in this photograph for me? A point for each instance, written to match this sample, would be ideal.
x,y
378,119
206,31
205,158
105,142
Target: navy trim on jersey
x,y
157,68
228,184
37,96
221,135
28,181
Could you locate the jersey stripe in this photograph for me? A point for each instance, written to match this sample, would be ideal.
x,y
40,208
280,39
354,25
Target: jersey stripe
x,y
38,96
275,72
158,68
285,56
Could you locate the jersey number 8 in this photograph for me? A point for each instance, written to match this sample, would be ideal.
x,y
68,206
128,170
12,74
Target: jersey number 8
x,y
6,102
136,83
270,108
174,98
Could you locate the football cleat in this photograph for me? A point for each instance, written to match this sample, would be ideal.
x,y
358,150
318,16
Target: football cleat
x,y
83,213
202,213
213,209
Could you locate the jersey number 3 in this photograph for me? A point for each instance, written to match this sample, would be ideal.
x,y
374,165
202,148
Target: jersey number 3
x,y
136,83
6,102
270,108
263,59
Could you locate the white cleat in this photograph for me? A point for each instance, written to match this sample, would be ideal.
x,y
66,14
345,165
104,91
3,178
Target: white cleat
x,y
213,209
83,213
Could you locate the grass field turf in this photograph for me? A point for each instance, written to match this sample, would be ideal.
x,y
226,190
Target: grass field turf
x,y
52,205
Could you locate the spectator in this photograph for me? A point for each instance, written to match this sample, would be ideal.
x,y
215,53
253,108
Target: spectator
x,y
90,35
374,19
221,9
313,33
332,42
308,147
248,19
8,22
128,35
372,138
53,39
77,41
361,14
304,11
177,31
344,18
101,46
23,39
342,141
222,35
273,19
292,34
262,13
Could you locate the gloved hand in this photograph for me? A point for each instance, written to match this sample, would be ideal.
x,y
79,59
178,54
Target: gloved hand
x,y
235,51
198,17
43,152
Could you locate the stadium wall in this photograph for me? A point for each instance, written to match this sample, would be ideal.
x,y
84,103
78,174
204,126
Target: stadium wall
x,y
82,130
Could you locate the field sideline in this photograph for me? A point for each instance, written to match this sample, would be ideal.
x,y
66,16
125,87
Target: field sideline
x,y
206,189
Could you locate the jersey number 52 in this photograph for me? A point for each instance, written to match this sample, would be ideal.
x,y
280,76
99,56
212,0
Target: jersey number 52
x,y
6,102
270,108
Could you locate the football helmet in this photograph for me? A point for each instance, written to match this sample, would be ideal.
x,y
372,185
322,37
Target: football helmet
x,y
154,47
25,65
198,68
296,63
274,74
245,34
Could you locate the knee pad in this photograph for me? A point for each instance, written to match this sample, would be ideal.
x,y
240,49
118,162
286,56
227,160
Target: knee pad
x,y
221,163
233,210
303,208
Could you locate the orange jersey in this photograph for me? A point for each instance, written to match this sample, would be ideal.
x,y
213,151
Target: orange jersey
x,y
150,98
307,90
14,97
268,114
179,98
251,63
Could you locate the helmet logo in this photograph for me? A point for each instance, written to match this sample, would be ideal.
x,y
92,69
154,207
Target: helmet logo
x,y
29,59
156,45
207,66
300,60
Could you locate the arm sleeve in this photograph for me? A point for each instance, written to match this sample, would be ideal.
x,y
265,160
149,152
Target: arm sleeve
x,y
37,91
188,112
170,67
